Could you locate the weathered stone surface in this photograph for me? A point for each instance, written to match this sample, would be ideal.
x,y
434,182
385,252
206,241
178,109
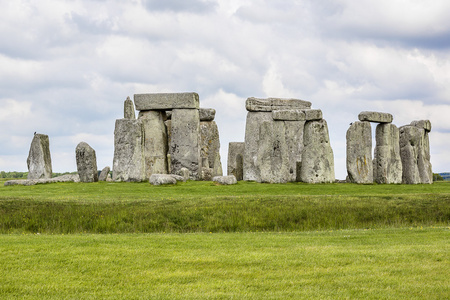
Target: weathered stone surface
x,y
313,114
159,179
128,164
128,109
104,174
225,180
184,146
206,114
185,173
86,163
155,142
424,160
206,174
252,139
272,156
62,178
168,114
235,163
178,177
425,124
377,117
410,139
388,164
317,159
39,160
210,148
294,142
359,153
165,101
271,104
289,115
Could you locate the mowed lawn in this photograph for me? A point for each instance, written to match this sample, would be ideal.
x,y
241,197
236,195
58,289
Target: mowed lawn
x,y
410,263
199,240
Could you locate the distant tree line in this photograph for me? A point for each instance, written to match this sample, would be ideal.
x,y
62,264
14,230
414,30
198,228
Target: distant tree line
x,y
23,175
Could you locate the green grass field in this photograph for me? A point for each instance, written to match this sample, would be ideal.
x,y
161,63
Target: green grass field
x,y
198,240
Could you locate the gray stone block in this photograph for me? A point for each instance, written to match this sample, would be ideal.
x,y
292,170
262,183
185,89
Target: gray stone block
x,y
166,101
128,164
359,153
210,147
86,163
410,139
39,161
236,160
185,142
313,114
206,114
128,109
377,117
425,124
388,165
104,174
289,115
294,142
271,104
160,179
225,180
317,164
155,142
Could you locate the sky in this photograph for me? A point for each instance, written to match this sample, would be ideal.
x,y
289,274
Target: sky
x,y
66,67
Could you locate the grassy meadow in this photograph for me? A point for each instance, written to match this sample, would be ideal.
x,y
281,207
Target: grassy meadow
x,y
200,240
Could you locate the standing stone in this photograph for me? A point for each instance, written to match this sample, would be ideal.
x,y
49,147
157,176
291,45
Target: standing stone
x,y
410,139
388,164
86,163
155,142
294,142
273,157
104,174
210,148
317,158
128,164
184,146
128,109
235,161
39,160
424,158
359,153
252,140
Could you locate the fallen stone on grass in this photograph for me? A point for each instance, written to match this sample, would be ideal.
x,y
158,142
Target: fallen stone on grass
x,y
27,182
225,180
159,179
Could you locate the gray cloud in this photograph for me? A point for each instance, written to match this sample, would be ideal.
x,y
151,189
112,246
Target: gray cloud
x,y
192,6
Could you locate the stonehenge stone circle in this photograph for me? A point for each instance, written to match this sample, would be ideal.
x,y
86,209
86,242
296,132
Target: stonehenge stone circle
x,y
86,163
377,117
166,101
317,164
387,161
39,161
235,163
128,164
128,109
359,153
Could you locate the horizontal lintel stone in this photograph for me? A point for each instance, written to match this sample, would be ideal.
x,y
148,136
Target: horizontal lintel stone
x,y
377,117
271,104
207,114
425,124
166,101
297,114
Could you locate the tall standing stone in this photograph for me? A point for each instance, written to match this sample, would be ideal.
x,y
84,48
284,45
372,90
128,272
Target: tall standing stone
x,y
210,147
184,146
424,158
388,162
155,142
128,164
86,163
317,159
359,152
128,109
39,160
235,162
410,140
294,142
